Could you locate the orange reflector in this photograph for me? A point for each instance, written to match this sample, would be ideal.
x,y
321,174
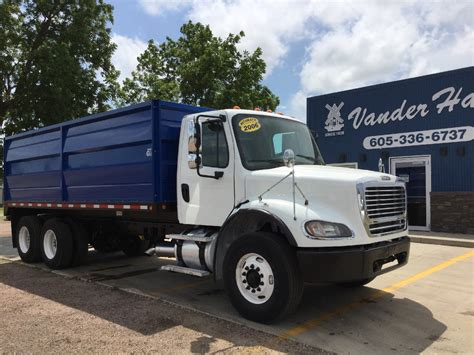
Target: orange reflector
x,y
236,107
269,111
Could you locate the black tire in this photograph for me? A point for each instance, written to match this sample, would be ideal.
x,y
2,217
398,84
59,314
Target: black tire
x,y
135,246
81,242
288,282
29,252
356,283
62,256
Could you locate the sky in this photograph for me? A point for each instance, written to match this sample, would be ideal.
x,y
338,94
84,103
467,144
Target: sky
x,y
313,47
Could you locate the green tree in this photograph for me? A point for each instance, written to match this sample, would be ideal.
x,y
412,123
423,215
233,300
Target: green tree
x,y
200,69
55,61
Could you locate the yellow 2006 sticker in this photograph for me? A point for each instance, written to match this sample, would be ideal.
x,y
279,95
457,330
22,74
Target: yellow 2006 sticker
x,y
249,124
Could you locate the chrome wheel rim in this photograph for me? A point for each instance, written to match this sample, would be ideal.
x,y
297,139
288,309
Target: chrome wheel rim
x,y
24,239
50,244
254,277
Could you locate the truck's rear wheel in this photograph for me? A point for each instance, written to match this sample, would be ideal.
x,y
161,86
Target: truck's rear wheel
x,y
262,278
56,244
27,237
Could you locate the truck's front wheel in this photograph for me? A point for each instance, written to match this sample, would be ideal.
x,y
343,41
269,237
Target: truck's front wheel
x,y
262,277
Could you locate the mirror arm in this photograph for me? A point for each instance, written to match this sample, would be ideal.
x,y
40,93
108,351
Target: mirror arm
x,y
223,118
217,174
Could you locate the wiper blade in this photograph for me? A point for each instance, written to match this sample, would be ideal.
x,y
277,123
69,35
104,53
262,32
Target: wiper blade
x,y
313,159
272,161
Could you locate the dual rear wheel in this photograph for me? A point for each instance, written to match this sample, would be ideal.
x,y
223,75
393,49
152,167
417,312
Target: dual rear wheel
x,y
59,243
63,243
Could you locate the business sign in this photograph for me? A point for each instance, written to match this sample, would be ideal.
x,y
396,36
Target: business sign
x,y
334,123
432,136
443,100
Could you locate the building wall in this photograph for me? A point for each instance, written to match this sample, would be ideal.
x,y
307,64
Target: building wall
x,y
452,212
348,125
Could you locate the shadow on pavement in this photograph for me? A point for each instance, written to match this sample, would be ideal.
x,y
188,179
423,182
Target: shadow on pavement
x,y
365,319
140,314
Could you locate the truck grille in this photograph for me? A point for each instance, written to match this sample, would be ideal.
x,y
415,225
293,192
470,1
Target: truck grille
x,y
385,208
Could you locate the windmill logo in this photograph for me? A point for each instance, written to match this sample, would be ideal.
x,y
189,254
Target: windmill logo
x,y
334,122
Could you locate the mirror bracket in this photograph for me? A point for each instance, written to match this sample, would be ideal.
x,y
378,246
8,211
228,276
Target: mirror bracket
x,y
197,139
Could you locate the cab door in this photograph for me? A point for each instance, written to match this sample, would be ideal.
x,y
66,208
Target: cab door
x,y
205,195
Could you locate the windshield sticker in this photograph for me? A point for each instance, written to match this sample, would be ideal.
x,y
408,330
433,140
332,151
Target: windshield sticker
x,y
249,124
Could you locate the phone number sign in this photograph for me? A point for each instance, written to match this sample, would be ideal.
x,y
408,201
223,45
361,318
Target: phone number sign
x,y
408,139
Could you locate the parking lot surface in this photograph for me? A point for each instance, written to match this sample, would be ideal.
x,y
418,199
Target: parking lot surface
x,y
426,306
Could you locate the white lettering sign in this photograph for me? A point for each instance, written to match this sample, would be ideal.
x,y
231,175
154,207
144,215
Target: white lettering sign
x,y
432,136
445,100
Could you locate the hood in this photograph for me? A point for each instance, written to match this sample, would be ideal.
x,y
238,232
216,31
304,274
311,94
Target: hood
x,y
315,181
323,173
331,194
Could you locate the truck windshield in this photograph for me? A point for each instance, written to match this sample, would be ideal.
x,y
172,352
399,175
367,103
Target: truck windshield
x,y
262,140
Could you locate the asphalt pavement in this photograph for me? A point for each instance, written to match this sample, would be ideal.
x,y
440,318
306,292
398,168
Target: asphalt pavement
x,y
426,306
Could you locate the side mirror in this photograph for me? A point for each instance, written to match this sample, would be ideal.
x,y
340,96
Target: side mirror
x,y
193,140
194,144
194,147
192,161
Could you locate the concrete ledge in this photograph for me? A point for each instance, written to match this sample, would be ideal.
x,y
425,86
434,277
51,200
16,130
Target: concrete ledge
x,y
450,239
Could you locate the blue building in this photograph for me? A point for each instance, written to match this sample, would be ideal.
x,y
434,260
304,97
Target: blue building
x,y
421,129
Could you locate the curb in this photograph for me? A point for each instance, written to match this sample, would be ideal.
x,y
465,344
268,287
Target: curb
x,y
453,242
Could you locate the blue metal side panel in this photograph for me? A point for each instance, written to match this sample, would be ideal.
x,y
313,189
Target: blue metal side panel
x,y
453,171
107,160
32,167
126,155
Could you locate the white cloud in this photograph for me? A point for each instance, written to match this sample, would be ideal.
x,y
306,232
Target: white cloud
x,y
298,106
349,44
160,7
270,25
384,41
126,54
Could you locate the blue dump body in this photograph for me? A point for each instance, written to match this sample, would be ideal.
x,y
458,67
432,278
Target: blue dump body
x,y
125,155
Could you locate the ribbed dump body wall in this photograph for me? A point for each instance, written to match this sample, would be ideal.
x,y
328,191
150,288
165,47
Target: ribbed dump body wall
x,y
125,155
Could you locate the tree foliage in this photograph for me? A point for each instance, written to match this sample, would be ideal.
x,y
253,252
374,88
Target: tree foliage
x,y
200,69
55,61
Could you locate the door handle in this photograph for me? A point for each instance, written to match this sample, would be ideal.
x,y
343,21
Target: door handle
x,y
185,192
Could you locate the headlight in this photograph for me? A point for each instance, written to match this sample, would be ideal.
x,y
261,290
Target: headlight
x,y
323,230
360,196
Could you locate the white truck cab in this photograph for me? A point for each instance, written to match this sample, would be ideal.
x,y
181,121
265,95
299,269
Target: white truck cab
x,y
254,183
